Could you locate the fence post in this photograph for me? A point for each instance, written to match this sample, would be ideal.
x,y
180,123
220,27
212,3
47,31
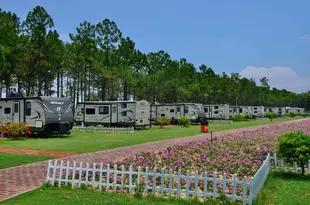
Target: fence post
x,y
130,180
122,178
67,172
138,177
115,178
187,184
100,177
108,178
275,160
73,174
205,185
234,188
214,185
179,183
244,190
196,183
48,170
154,181
54,173
162,181
252,192
170,182
146,180
86,180
94,172
60,172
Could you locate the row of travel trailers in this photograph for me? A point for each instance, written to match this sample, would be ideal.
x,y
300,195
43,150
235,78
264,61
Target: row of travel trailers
x,y
226,112
58,115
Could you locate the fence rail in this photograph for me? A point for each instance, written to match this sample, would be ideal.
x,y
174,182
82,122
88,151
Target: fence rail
x,y
105,130
279,165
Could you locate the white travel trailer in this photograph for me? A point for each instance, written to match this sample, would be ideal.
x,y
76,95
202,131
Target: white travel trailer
x,y
174,112
50,115
280,111
271,109
218,112
113,113
291,110
301,111
258,111
242,110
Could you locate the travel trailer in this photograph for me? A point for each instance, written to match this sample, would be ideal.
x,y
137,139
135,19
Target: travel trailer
x,y
257,111
219,112
301,111
194,112
113,113
241,110
271,109
280,111
52,115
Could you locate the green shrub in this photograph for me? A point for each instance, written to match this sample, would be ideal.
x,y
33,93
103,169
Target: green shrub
x,y
291,114
270,115
162,121
294,147
184,121
248,117
238,118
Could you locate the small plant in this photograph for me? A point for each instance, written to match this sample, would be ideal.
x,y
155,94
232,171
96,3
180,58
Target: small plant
x,y
294,147
270,115
184,121
162,121
238,118
248,117
291,114
16,131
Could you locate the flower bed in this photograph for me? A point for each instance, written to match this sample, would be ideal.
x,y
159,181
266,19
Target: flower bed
x,y
240,153
15,130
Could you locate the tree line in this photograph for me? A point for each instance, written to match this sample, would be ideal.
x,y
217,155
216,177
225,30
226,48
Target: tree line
x,y
100,63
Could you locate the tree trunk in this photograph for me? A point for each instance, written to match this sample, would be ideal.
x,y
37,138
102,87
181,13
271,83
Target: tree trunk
x,y
302,167
125,94
58,79
61,84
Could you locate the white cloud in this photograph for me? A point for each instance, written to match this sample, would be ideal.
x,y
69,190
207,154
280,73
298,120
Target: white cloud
x,y
280,77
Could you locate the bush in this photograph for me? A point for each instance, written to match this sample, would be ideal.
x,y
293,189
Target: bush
x,y
238,118
294,147
162,121
16,131
184,121
291,114
270,115
248,117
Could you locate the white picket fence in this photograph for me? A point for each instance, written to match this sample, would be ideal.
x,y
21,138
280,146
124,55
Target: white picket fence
x,y
250,188
105,130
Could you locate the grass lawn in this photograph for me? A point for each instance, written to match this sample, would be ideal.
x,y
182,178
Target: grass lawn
x,y
11,160
285,189
82,142
66,196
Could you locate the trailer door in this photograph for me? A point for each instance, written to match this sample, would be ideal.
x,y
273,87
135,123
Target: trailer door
x,y
178,113
16,112
114,113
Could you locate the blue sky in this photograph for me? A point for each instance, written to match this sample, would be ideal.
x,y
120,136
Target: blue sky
x,y
254,38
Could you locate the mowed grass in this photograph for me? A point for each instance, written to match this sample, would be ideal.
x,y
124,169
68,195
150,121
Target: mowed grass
x,y
65,196
83,142
11,160
285,189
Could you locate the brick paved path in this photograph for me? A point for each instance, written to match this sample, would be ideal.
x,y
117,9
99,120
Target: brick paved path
x,y
20,179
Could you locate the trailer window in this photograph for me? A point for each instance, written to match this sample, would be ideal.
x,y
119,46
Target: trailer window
x,y
124,105
216,107
240,110
114,109
15,107
163,115
104,110
206,109
178,109
216,112
255,112
171,110
186,109
255,108
7,110
28,108
124,113
90,111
